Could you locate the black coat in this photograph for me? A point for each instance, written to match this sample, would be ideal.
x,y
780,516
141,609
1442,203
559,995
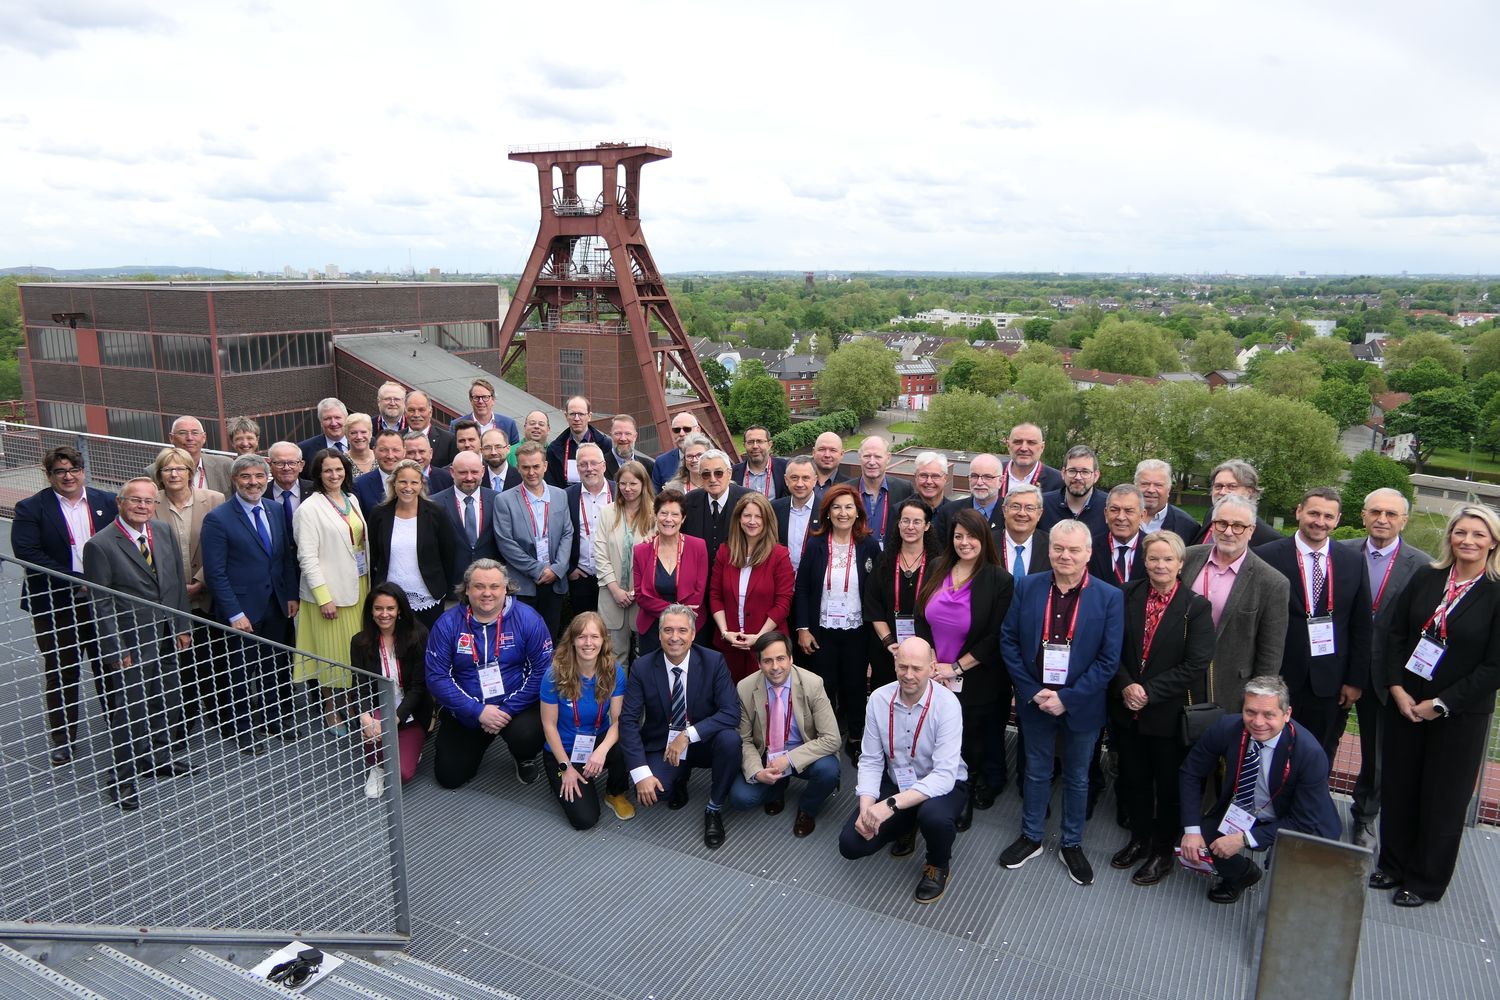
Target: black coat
x,y
1468,675
778,476
1350,661
990,592
808,597
416,702
435,549
1176,672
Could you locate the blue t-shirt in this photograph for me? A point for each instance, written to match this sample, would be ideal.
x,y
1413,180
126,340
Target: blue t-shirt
x,y
588,709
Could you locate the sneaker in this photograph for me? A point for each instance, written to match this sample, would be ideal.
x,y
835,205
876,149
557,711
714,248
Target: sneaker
x,y
375,783
1020,852
527,771
1079,869
621,805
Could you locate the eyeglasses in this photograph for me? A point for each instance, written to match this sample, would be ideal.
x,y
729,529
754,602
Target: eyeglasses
x,y
713,473
1231,527
478,397
62,473
139,501
287,463
907,522
1077,473
575,413
1024,508
178,469
984,477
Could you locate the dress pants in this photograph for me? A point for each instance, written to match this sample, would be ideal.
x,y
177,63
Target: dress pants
x,y
583,595
720,753
255,692
822,778
983,752
65,636
547,604
583,812
841,659
1370,713
1318,715
1042,734
460,749
1429,772
937,819
1148,785
141,706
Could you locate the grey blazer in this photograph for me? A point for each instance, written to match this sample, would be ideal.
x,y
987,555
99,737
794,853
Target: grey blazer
x,y
1251,632
518,546
1408,560
111,559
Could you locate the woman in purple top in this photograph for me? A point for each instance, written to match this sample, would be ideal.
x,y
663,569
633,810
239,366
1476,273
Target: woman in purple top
x,y
959,609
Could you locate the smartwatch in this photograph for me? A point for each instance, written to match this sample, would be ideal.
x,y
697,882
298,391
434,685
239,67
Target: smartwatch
x,y
1440,708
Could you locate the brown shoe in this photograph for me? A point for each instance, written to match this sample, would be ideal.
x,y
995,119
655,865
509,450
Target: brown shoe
x,y
804,825
774,807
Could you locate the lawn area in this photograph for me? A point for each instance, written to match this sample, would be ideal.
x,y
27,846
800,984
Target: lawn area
x,y
1455,462
905,427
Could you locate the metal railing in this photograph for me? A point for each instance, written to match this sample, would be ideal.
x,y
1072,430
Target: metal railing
x,y
196,795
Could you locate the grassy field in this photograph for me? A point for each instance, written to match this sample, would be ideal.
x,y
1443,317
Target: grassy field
x,y
905,427
1455,462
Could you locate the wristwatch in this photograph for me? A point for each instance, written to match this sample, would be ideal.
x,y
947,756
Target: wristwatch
x,y
891,804
1440,708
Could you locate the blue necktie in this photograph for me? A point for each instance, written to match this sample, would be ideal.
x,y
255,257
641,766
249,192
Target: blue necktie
x,y
1244,788
340,446
261,529
1020,567
679,700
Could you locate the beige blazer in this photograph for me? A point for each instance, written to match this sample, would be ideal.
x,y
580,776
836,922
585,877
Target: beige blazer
x,y
811,710
324,552
612,559
189,531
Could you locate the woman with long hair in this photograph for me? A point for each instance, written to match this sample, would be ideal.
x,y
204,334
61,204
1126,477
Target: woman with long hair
x,y
891,591
669,568
628,519
393,643
583,728
752,584
411,543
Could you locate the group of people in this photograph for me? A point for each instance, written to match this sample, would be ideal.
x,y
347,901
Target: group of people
x,y
620,618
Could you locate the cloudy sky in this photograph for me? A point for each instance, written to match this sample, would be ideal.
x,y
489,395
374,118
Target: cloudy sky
x,y
1165,136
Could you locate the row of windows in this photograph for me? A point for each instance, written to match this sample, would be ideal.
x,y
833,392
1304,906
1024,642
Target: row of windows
x,y
142,425
570,372
64,416
463,336
165,352
53,344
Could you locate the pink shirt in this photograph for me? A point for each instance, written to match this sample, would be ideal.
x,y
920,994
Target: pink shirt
x,y
1215,582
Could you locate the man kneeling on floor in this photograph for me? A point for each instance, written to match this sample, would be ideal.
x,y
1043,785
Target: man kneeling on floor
x,y
911,773
1279,782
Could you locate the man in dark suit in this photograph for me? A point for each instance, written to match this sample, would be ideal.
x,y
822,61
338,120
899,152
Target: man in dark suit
x,y
1061,644
1118,556
1389,562
878,492
562,453
287,486
984,496
470,508
623,432
1239,478
139,638
797,512
1025,446
1326,662
1154,478
331,415
536,537
706,513
1078,500
1023,546
759,471
586,502
253,578
50,529
1276,779
434,474
419,418
828,453
371,487
499,474
665,465
681,712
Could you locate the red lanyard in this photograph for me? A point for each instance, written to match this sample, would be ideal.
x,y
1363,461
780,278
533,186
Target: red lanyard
x,y
770,490
1327,581
921,568
603,705
890,726
1047,615
202,476
83,499
1285,771
583,511
1149,636
656,556
1129,558
1390,564
1452,594
150,542
828,583
458,501
531,513
1036,474
499,625
389,666
345,515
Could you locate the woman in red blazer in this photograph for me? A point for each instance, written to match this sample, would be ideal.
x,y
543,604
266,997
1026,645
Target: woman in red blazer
x,y
671,568
750,563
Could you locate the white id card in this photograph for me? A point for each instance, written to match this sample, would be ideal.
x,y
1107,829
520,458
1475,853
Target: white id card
x,y
905,776
582,747
1237,820
672,735
773,758
572,473
491,682
835,619
1055,663
359,563
1320,636
1424,659
906,627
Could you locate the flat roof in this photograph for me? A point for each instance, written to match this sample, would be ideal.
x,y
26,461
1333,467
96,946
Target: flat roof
x,y
251,286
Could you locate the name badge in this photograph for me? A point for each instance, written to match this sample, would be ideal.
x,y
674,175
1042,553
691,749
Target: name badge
x,y
672,735
582,747
1320,635
1237,820
1055,663
905,776
773,758
1424,659
359,564
572,473
906,627
491,682
834,619
542,553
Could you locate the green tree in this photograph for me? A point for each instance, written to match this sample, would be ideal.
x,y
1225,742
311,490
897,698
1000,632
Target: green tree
x,y
1293,375
1130,347
717,376
1484,355
1426,374
1328,350
1404,353
963,420
1036,328
1438,418
1212,350
1372,471
860,376
992,373
758,399
1039,381
1487,434
984,330
960,374
1291,444
1485,389
1036,354
1125,426
1346,403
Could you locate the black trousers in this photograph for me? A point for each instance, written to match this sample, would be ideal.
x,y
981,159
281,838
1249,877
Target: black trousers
x,y
1429,770
1148,785
1318,715
65,636
983,745
1370,712
937,819
547,604
256,692
841,659
460,749
583,812
583,595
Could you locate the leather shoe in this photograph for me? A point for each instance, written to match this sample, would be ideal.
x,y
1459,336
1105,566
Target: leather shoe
x,y
122,794
1130,855
804,824
679,796
1405,897
60,756
713,828
1380,880
1156,868
933,884
982,795
1230,892
775,806
965,815
174,769
905,846
1363,835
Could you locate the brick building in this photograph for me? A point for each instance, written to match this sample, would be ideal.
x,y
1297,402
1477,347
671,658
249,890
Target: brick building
x,y
797,375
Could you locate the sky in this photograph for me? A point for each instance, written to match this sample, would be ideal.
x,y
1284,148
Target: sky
x,y
1325,137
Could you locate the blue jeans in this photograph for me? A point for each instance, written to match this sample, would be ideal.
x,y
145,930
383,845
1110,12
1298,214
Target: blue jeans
x,y
822,779
1041,732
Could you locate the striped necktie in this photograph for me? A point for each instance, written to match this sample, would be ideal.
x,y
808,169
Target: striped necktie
x,y
1244,786
679,700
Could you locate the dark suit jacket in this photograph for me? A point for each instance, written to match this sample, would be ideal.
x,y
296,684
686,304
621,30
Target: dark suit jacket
x,y
807,604
438,477
563,445
664,467
1251,633
311,447
697,521
990,593
778,476
1300,800
1095,656
1469,673
942,518
1176,672
647,462
111,559
1102,561
1179,521
1055,508
575,498
511,478
487,546
1350,661
1051,478
712,704
39,535
783,508
416,700
304,490
369,490
242,577
1040,560
1407,560
692,581
444,447
435,546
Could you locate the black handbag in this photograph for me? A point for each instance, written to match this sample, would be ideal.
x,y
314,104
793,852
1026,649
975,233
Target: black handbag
x,y
1198,717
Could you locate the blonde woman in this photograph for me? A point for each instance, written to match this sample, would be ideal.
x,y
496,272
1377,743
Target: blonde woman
x,y
627,520
358,431
583,728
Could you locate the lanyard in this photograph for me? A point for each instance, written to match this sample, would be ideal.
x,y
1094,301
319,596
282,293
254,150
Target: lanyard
x,y
828,582
1327,582
345,515
770,489
1047,615
1149,636
389,666
1452,594
1285,771
499,627
583,512
1129,558
83,498
458,501
202,476
890,726
598,718
1036,475
921,568
1390,564
150,542
531,513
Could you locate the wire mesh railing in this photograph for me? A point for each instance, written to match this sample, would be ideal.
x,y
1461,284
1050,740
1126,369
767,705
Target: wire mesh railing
x,y
191,791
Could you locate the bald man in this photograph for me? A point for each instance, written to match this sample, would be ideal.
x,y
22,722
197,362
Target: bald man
x,y
828,452
470,506
878,492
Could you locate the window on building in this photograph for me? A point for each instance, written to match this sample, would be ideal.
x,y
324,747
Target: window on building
x,y
184,354
270,351
50,343
125,350
293,425
64,416
137,425
570,372
463,336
